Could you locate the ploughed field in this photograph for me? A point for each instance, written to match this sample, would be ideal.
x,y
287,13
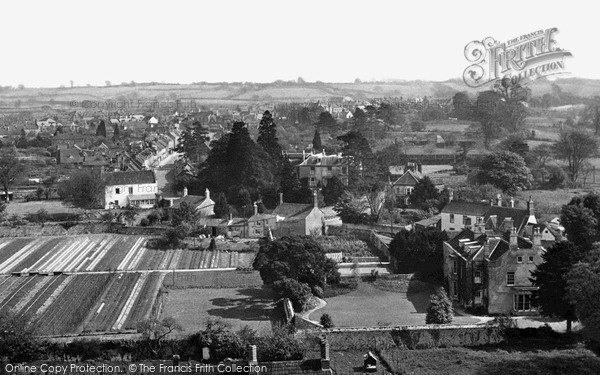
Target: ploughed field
x,y
106,252
81,303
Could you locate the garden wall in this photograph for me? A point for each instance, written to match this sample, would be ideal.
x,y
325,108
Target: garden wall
x,y
411,337
53,229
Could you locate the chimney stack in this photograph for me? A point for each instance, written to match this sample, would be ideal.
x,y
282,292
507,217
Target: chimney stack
x,y
253,360
185,191
315,199
499,199
450,195
255,209
230,216
280,198
537,238
512,202
486,248
513,244
325,365
207,193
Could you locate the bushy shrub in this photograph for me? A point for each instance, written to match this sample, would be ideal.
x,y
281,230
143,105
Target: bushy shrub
x,y
297,292
440,309
326,321
144,222
153,217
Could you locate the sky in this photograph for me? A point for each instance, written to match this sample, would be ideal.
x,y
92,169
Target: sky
x,y
50,43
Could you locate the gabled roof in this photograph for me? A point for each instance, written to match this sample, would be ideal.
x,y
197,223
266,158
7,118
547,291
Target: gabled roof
x,y
466,208
323,160
519,215
409,178
129,178
293,211
192,200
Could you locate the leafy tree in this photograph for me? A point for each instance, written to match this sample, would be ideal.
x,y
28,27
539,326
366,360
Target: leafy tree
x,y
83,189
505,170
419,251
462,106
591,115
48,184
316,143
352,210
359,119
297,257
244,201
425,195
417,126
326,321
581,220
185,213
488,113
292,188
192,142
154,332
475,193
515,143
366,176
332,191
576,147
551,278
326,122
583,291
10,169
174,236
221,206
391,156
267,136
298,293
101,129
440,309
17,342
129,214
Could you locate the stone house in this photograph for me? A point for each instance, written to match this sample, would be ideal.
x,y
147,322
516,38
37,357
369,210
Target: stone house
x,y
299,218
203,204
492,272
321,167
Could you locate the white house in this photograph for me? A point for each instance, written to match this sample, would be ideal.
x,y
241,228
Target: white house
x,y
136,188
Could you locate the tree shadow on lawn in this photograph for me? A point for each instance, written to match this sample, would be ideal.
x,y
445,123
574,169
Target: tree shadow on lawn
x,y
418,293
252,305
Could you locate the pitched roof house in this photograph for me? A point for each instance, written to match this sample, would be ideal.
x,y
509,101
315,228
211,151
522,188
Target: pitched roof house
x,y
203,204
136,188
492,272
299,218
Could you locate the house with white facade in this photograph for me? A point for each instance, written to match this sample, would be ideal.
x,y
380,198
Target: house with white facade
x,y
135,188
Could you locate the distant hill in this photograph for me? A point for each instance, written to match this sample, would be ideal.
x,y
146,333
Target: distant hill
x,y
232,93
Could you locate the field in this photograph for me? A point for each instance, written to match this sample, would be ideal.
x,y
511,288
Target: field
x,y
368,306
52,207
58,305
504,359
238,306
106,252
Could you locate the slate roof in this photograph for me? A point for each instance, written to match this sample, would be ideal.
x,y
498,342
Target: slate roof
x,y
293,211
323,160
409,178
466,208
129,178
192,200
519,215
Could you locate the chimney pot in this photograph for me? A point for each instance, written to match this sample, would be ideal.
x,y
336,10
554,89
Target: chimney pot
x,y
255,208
315,199
185,191
207,193
280,198
253,360
499,198
512,203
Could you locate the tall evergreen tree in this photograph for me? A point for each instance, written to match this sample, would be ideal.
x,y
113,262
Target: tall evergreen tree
x,y
101,129
116,131
221,206
316,143
267,136
332,191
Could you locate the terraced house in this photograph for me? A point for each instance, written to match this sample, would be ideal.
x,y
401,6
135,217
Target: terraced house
x,y
135,188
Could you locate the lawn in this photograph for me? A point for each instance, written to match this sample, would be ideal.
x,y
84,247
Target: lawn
x,y
503,359
368,306
239,307
52,207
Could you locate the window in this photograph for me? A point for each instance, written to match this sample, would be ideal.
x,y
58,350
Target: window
x,y
312,181
452,218
454,266
530,259
477,277
519,259
329,169
510,278
477,298
131,190
522,302
117,191
312,170
466,221
455,289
